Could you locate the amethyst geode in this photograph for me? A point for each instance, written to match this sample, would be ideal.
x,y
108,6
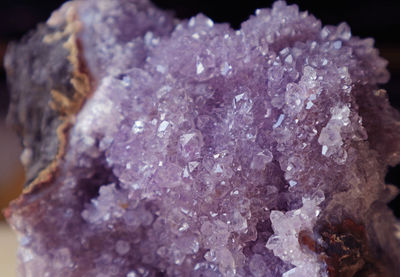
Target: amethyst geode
x,y
160,147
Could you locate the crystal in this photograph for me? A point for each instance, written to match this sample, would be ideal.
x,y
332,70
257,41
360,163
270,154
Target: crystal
x,y
163,147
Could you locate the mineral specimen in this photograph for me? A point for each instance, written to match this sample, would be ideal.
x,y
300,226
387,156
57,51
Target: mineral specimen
x,y
160,147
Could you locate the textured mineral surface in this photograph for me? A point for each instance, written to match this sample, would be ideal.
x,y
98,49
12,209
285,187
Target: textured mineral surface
x,y
164,147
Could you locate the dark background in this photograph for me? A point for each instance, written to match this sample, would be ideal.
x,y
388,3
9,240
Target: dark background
x,y
367,18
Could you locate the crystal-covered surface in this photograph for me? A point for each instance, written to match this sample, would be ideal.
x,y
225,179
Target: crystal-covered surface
x,y
205,151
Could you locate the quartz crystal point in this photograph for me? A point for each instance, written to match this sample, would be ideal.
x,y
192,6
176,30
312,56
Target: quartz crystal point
x,y
164,147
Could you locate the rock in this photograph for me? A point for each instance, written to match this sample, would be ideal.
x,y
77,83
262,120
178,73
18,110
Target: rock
x,y
164,147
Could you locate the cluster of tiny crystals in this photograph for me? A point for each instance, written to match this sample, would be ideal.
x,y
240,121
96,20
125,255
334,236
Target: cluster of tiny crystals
x,y
204,150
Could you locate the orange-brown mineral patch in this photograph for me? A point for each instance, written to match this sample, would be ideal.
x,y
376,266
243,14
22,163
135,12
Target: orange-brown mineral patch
x,y
345,250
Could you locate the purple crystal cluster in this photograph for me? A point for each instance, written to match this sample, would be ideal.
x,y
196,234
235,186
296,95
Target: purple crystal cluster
x,y
207,151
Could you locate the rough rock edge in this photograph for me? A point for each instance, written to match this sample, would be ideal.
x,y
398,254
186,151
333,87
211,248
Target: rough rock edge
x,y
60,103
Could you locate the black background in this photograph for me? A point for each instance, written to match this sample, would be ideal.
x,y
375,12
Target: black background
x,y
367,18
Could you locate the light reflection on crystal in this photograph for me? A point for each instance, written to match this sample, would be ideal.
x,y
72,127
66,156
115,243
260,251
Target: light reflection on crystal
x,y
204,150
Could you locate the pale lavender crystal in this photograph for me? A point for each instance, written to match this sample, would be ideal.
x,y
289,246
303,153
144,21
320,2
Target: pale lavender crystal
x,y
205,151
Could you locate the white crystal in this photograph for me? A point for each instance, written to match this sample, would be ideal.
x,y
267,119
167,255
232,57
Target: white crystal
x,y
163,126
279,121
199,68
138,127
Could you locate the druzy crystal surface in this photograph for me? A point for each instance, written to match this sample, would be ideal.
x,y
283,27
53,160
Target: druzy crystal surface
x,y
164,147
